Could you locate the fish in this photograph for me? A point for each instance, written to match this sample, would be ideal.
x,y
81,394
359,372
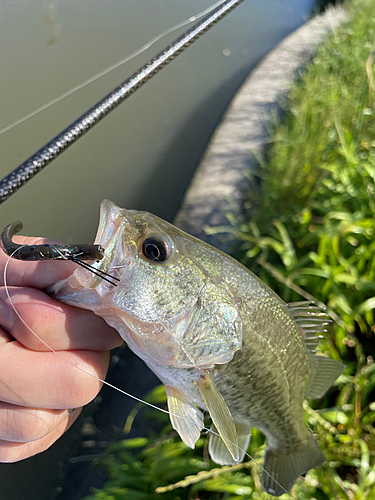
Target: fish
x,y
216,335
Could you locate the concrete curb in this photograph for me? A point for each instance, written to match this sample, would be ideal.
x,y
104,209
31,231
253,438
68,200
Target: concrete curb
x,y
221,181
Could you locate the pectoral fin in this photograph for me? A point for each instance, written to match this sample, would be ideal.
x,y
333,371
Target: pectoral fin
x,y
186,419
220,414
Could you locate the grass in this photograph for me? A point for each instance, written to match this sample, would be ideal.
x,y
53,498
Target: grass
x,y
311,232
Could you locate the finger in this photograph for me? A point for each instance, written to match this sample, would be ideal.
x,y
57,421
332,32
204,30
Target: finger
x,y
5,337
23,424
46,380
34,274
13,452
60,326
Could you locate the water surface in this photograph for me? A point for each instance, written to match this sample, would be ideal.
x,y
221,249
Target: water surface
x,y
143,155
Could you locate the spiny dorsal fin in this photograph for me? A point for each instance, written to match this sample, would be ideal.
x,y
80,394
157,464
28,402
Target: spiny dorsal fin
x,y
186,419
312,319
219,413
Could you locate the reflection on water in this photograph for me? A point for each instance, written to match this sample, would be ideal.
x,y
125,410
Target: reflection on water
x,y
143,155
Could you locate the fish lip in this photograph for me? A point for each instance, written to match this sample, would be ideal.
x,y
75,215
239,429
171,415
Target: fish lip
x,y
109,222
109,235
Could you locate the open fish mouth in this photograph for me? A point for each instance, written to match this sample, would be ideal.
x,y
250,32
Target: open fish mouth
x,y
109,223
109,236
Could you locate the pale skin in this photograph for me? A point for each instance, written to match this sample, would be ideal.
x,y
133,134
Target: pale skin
x,y
37,388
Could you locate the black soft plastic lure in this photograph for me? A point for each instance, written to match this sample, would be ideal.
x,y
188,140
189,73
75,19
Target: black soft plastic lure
x,y
48,251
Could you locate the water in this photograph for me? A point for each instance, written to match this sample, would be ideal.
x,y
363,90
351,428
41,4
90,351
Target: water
x,y
143,155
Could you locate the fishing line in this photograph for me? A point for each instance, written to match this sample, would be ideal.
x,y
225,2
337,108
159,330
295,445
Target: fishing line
x,y
139,400
98,272
55,147
112,67
56,352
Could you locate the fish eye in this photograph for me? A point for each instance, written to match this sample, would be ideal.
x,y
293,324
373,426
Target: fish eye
x,y
156,248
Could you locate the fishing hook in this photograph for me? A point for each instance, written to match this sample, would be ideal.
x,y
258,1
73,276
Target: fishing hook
x,y
49,251
46,251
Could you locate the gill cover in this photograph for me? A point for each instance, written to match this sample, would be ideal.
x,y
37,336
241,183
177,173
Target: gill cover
x,y
170,304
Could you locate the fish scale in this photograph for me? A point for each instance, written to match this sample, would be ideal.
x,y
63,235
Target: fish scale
x,y
217,336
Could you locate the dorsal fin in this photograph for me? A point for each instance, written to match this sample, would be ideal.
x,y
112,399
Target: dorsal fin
x,y
312,319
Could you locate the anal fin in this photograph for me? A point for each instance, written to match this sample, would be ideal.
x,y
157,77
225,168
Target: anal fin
x,y
219,413
325,371
186,419
282,470
218,450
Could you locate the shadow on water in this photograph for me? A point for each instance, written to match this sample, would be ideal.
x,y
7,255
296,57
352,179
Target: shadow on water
x,y
107,419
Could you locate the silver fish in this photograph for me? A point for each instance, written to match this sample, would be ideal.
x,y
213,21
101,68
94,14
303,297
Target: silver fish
x,y
217,336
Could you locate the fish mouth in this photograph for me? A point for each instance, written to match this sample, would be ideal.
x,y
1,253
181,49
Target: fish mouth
x,y
109,223
109,236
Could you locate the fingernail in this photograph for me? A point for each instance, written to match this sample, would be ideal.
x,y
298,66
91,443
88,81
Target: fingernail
x,y
6,316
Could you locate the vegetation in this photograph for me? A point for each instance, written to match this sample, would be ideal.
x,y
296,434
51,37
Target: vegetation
x,y
311,232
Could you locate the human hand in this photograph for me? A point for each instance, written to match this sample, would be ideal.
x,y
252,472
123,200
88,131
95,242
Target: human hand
x,y
37,387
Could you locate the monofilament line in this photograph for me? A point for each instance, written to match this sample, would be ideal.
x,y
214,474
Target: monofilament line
x,y
113,386
111,68
28,169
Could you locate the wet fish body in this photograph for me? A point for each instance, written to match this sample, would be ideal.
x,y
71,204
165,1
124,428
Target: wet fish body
x,y
217,336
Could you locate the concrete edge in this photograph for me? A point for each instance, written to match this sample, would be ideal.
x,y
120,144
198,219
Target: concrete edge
x,y
221,181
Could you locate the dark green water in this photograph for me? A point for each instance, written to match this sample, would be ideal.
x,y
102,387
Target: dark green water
x,y
141,156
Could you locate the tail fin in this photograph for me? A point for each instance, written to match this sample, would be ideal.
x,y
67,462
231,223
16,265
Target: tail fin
x,y
282,470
